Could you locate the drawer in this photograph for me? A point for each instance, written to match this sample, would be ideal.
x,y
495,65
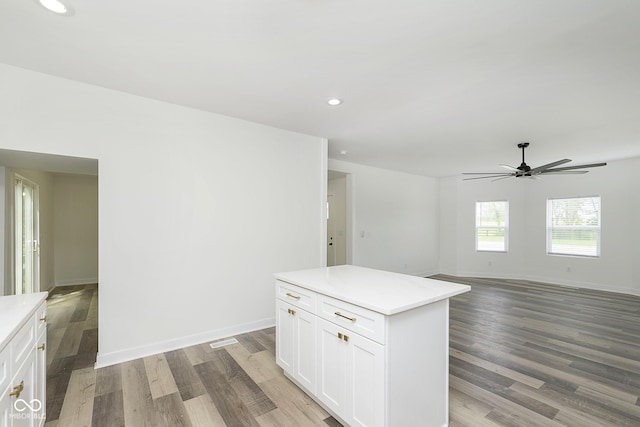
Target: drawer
x,y
4,368
362,321
297,296
41,318
22,345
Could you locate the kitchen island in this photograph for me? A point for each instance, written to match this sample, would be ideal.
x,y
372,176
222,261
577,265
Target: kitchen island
x,y
370,346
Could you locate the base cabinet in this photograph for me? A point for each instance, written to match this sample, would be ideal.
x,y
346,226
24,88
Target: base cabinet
x,y
331,361
351,375
23,368
371,347
295,346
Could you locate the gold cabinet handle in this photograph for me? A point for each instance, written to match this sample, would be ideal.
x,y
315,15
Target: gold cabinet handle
x,y
342,336
41,347
289,294
43,319
291,312
17,390
346,338
353,319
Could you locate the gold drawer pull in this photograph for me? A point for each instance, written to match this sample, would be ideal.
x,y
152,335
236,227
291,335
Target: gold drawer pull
x,y
17,390
289,294
43,319
291,312
41,347
353,319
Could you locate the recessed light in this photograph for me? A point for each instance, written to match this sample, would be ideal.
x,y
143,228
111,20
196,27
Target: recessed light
x,y
343,152
57,6
334,101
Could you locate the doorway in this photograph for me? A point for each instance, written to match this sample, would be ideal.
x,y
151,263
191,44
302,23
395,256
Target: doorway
x,y
338,219
27,236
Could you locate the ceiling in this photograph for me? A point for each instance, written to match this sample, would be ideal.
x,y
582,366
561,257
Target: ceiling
x,y
48,162
429,87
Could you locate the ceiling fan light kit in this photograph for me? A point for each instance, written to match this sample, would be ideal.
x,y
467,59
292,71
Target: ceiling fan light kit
x,y
526,171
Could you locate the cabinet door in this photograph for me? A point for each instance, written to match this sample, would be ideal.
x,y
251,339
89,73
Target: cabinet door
x,y
332,353
365,382
305,349
6,402
41,376
285,336
25,408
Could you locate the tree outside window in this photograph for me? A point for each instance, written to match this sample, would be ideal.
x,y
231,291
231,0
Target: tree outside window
x,y
492,222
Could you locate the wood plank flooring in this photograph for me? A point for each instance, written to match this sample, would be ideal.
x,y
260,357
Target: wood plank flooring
x,y
530,354
521,354
236,385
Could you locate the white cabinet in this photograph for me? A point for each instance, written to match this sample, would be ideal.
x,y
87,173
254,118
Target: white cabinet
x,y
365,382
351,375
380,340
23,336
295,347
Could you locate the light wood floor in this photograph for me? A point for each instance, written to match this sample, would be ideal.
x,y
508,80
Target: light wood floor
x,y
521,354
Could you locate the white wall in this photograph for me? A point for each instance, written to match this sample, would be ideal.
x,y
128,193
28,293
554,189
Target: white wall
x,y
3,226
398,215
75,229
196,210
616,268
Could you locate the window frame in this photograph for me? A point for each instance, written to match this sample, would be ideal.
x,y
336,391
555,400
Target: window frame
x,y
549,228
505,227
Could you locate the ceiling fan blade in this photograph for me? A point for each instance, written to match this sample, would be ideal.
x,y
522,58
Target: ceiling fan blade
x,y
511,168
486,173
549,165
502,175
568,168
555,172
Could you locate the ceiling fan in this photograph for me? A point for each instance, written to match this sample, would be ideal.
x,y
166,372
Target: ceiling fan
x,y
525,170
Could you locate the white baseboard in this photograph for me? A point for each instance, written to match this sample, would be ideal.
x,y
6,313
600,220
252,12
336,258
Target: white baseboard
x,y
74,282
425,273
108,359
550,280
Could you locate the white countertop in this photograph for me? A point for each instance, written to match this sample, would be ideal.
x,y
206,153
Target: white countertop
x,y
14,309
382,291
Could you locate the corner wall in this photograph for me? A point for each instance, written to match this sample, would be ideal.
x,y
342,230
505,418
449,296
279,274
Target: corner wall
x,y
615,270
75,225
395,219
3,228
196,210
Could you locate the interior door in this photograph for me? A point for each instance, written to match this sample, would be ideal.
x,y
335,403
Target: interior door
x,y
27,244
331,231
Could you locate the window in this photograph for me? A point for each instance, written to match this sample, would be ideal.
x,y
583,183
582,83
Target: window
x,y
492,225
573,226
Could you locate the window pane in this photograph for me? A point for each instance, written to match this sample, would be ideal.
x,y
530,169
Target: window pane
x,y
491,239
574,226
492,219
491,214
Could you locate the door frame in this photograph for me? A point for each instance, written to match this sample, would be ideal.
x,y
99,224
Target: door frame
x,y
348,203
